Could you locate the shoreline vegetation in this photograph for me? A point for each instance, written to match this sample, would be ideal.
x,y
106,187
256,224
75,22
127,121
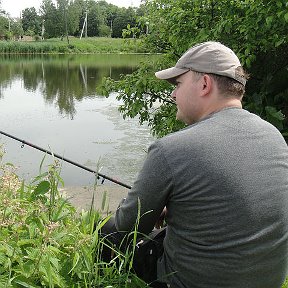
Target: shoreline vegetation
x,y
92,45
46,242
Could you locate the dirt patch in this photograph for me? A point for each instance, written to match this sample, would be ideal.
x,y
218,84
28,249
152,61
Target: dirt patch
x,y
102,197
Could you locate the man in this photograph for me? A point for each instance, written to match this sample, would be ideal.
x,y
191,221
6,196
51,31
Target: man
x,y
223,182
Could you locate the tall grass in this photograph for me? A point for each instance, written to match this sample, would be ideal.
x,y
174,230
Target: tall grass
x,y
76,45
44,242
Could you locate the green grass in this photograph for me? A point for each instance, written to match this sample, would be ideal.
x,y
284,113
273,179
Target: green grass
x,y
44,242
76,45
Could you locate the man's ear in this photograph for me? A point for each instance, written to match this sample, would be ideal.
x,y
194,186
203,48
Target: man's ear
x,y
206,84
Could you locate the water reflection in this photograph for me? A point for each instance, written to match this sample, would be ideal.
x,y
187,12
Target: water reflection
x,y
64,79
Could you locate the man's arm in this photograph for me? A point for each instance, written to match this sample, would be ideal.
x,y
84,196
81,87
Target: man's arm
x,y
149,193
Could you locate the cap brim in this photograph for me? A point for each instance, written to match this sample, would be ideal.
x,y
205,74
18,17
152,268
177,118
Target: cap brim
x,y
170,74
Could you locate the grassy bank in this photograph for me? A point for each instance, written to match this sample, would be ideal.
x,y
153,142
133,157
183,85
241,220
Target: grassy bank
x,y
76,45
45,243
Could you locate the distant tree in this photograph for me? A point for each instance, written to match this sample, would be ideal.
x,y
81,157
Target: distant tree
x,y
62,9
104,31
52,19
31,21
3,25
77,10
123,18
111,14
95,19
16,29
73,15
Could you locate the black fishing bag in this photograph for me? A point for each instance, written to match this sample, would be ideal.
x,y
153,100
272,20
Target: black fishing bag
x,y
147,251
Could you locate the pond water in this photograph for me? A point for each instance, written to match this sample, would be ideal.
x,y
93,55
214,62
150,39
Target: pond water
x,y
51,101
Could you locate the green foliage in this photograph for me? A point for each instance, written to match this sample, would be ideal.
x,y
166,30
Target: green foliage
x,y
53,19
45,243
145,97
124,17
64,17
130,32
104,31
68,16
31,22
256,30
9,27
76,45
3,24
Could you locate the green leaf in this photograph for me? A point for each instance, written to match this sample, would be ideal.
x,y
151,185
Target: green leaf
x,y
269,20
286,17
24,283
278,43
75,261
60,212
274,113
42,188
279,4
55,262
4,279
23,242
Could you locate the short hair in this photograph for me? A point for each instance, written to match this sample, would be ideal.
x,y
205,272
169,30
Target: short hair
x,y
229,88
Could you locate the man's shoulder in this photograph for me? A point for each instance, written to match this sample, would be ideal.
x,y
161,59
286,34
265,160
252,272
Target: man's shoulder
x,y
185,136
220,124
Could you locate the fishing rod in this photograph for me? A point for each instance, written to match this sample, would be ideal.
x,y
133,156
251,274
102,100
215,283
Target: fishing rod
x,y
66,160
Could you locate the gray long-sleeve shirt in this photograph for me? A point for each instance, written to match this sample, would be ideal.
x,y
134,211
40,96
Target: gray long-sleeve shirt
x,y
224,181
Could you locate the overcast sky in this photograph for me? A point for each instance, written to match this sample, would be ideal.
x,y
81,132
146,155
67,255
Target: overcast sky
x,y
14,7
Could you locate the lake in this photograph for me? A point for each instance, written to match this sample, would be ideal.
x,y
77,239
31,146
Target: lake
x,y
51,101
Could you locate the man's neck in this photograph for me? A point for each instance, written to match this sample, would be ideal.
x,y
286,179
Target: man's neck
x,y
220,105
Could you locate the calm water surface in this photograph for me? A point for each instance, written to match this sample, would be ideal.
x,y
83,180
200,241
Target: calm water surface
x,y
51,101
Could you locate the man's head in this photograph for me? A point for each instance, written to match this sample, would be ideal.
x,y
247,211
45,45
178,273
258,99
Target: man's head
x,y
208,77
208,57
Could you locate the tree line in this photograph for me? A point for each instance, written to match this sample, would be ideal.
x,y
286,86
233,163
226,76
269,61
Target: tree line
x,y
75,18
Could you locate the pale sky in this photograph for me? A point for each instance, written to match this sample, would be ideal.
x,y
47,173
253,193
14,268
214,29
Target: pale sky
x,y
14,7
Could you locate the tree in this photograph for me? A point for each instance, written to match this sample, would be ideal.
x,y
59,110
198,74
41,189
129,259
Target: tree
x,y
78,7
95,19
123,18
62,7
31,21
256,30
111,13
3,25
73,15
52,19
16,28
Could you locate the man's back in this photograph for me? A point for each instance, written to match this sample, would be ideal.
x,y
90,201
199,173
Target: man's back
x,y
228,208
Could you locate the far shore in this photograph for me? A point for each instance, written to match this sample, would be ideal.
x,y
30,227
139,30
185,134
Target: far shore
x,y
93,45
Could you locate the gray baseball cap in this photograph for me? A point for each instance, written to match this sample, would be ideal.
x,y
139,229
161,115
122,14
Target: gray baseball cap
x,y
208,57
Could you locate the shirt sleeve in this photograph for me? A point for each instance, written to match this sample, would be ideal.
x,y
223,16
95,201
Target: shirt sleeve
x,y
149,194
